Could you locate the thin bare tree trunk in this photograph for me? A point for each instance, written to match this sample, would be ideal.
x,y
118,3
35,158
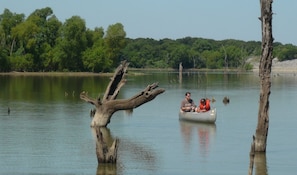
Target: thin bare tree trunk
x,y
260,140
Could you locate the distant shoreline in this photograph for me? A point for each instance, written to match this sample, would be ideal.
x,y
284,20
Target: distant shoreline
x,y
55,73
286,67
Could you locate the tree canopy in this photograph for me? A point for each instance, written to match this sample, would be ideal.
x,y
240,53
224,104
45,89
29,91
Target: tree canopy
x,y
40,42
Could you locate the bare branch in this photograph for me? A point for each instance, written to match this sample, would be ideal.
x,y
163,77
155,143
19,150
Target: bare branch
x,y
116,92
116,82
85,97
109,104
148,94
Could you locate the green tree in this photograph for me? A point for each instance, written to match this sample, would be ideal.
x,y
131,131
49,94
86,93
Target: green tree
x,y
286,52
4,61
115,42
132,54
43,18
71,44
33,40
166,49
212,59
51,31
181,55
25,34
94,58
235,56
9,20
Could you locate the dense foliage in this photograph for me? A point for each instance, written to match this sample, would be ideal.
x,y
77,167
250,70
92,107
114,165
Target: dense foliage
x,y
41,42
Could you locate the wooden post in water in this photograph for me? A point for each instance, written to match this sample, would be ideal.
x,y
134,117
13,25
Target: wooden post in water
x,y
180,72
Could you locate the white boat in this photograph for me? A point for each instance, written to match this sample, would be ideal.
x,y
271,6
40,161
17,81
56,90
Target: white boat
x,y
203,117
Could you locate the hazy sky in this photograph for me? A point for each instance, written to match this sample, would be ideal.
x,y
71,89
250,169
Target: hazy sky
x,y
158,19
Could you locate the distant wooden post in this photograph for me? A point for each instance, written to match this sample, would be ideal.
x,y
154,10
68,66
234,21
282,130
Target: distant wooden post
x,y
180,67
180,72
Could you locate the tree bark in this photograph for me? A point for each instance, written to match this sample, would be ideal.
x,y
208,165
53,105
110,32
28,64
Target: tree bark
x,y
261,134
109,104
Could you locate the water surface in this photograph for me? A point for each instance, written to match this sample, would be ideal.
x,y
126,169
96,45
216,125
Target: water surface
x,y
47,130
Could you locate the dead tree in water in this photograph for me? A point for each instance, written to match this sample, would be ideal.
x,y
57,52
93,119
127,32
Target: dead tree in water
x,y
106,107
259,142
260,139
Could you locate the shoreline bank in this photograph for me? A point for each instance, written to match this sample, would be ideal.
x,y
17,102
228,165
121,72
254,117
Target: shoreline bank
x,y
284,67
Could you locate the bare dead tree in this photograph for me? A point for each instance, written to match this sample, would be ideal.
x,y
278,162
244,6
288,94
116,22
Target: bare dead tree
x,y
259,142
106,107
265,76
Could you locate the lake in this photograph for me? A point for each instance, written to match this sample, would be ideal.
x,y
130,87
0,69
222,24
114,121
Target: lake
x,y
48,128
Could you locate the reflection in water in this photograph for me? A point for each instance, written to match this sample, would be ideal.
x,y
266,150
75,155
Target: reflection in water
x,y
108,168
104,149
205,133
138,154
48,133
260,164
258,160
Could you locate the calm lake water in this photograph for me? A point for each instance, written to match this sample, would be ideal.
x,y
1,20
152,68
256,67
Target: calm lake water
x,y
48,128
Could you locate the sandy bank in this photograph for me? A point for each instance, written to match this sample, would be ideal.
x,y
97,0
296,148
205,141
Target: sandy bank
x,y
289,66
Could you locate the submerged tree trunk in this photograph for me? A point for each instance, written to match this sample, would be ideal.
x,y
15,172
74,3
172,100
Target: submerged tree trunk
x,y
259,142
109,104
105,108
260,138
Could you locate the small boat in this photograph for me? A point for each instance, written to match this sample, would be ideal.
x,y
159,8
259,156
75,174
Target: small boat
x,y
202,117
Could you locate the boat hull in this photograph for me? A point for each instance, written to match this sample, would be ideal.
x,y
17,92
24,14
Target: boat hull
x,y
202,117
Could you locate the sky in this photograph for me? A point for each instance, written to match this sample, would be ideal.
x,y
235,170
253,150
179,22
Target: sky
x,y
173,19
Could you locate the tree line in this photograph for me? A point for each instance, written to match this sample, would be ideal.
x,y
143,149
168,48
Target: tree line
x,y
42,43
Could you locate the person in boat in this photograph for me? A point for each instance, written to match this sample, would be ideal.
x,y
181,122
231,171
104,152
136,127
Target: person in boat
x,y
204,105
187,104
